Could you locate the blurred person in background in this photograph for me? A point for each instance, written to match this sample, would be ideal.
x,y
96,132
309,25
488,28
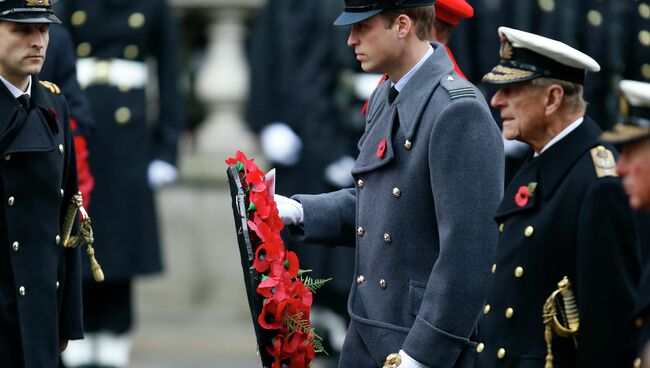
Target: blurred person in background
x,y
120,44
40,280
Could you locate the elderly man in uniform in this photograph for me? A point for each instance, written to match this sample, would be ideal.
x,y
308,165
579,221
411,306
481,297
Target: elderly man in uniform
x,y
421,225
40,281
566,270
634,166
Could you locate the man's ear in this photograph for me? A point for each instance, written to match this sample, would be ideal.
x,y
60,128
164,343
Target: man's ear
x,y
554,98
404,24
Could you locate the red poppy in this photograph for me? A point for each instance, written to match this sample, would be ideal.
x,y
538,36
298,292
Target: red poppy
x,y
273,288
265,255
381,148
521,198
272,315
291,264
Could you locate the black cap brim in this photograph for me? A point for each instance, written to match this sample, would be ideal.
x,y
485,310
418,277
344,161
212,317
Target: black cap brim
x,y
349,18
35,18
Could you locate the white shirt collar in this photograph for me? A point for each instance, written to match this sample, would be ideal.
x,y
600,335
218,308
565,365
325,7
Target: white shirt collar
x,y
15,91
562,134
402,82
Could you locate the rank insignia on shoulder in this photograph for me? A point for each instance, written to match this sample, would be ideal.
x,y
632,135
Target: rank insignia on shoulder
x,y
457,87
51,87
604,162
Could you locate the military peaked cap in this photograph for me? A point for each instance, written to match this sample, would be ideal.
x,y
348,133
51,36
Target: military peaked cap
x,y
356,11
28,11
635,114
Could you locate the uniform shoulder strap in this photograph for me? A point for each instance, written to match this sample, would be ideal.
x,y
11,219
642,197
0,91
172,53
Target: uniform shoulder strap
x,y
51,87
604,162
457,87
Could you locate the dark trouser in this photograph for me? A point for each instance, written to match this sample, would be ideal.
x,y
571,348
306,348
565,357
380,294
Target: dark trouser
x,y
108,307
11,354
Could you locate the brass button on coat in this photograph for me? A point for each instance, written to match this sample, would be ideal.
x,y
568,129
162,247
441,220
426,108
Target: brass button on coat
x,y
637,363
61,149
57,285
486,309
360,231
7,157
638,323
396,192
84,49
136,20
501,353
62,192
509,313
15,246
11,201
122,115
78,18
57,239
519,272
383,284
387,238
494,268
360,279
22,291
408,144
529,231
360,183
480,347
501,227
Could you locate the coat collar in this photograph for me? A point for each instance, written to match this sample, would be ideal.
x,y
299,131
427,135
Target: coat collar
x,y
413,99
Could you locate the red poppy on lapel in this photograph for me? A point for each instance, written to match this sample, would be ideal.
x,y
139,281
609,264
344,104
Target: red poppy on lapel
x,y
381,149
525,192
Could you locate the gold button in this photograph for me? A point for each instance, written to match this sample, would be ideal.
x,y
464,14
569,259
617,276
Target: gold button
x,y
11,201
450,78
22,291
62,192
387,238
360,231
131,52
136,20
360,183
637,363
480,347
57,285
638,323
61,150
529,231
519,272
547,5
361,279
595,18
7,157
383,284
644,10
501,353
510,312
645,71
122,115
408,144
501,227
78,18
84,49
644,38
486,309
494,268
57,239
396,192
15,246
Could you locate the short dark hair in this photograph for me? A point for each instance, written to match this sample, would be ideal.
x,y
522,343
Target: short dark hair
x,y
423,17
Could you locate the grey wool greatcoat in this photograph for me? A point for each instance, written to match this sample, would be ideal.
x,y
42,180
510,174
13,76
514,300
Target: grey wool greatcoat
x,y
40,281
421,218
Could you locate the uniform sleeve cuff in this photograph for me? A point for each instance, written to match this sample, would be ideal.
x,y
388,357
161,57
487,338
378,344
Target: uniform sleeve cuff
x,y
433,347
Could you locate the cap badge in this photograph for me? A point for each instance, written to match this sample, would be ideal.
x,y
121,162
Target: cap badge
x,y
37,3
506,49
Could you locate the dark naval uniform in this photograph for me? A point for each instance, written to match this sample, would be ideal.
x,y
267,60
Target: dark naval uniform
x,y
577,224
40,281
421,219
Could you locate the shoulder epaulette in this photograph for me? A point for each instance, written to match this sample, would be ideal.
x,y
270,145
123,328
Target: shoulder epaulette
x,y
51,86
457,87
604,162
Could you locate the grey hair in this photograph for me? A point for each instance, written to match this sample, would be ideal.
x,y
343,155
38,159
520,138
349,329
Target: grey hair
x,y
573,92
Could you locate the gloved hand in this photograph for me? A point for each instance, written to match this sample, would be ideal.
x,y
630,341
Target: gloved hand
x,y
408,362
161,173
338,172
280,144
291,212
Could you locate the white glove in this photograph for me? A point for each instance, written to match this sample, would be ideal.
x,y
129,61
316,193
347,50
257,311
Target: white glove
x,y
338,172
161,173
291,212
280,144
408,362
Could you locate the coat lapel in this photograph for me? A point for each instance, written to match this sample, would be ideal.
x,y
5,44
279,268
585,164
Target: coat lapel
x,y
527,174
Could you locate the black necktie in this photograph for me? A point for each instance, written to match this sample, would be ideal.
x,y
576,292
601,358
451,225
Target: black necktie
x,y
392,94
24,101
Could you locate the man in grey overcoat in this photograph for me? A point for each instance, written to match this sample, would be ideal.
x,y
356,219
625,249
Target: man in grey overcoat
x,y
428,179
